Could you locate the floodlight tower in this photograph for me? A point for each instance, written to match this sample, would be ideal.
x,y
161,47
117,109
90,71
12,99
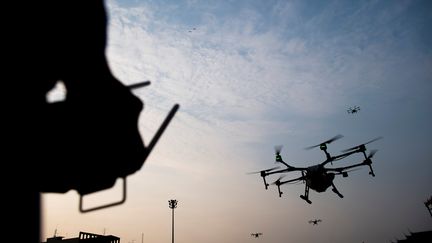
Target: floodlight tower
x,y
172,204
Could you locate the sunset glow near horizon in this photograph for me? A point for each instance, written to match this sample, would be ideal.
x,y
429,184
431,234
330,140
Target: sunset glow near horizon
x,y
249,75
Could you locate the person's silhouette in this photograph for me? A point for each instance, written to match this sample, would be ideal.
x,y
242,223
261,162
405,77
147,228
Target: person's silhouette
x,y
86,141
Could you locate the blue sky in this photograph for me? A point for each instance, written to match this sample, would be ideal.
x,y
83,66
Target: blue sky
x,y
254,74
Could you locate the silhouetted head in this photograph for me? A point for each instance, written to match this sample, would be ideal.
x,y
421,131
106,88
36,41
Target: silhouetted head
x,y
95,131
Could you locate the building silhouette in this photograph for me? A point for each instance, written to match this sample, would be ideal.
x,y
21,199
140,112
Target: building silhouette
x,y
85,237
417,237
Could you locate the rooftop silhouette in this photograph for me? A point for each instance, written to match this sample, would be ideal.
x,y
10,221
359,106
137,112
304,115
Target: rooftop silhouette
x,y
417,237
85,237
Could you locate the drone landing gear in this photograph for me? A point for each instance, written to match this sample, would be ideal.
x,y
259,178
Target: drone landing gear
x,y
371,172
279,190
306,195
265,182
336,191
306,199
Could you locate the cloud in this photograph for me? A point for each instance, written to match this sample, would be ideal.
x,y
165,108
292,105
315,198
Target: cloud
x,y
239,72
226,67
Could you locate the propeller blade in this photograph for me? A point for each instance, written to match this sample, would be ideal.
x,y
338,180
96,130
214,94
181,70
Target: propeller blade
x,y
358,146
267,170
278,149
326,142
339,136
278,180
274,168
373,140
372,153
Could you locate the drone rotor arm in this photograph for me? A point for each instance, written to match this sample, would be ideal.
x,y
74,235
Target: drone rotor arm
x,y
346,172
358,146
263,174
344,155
339,157
263,171
343,169
283,162
278,171
367,161
292,168
301,178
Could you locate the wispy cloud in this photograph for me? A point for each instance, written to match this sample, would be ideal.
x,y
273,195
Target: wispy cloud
x,y
224,66
244,68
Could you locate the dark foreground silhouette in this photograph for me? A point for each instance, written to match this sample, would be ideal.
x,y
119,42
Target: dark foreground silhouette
x,y
85,142
417,237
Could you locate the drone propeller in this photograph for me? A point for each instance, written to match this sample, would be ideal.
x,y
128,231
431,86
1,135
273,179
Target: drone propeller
x,y
278,157
278,149
326,142
358,146
276,182
256,172
372,153
368,161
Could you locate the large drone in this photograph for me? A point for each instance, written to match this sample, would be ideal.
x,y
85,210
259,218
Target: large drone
x,y
318,177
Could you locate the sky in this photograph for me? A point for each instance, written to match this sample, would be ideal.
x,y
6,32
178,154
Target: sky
x,y
249,75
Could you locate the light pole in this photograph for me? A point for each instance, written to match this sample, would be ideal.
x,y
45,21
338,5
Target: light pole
x,y
172,204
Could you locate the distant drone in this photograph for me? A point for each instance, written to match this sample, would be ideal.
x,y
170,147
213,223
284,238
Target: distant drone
x,y
353,110
318,177
315,221
256,235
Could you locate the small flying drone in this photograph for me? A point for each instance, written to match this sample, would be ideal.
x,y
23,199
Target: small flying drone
x,y
353,109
